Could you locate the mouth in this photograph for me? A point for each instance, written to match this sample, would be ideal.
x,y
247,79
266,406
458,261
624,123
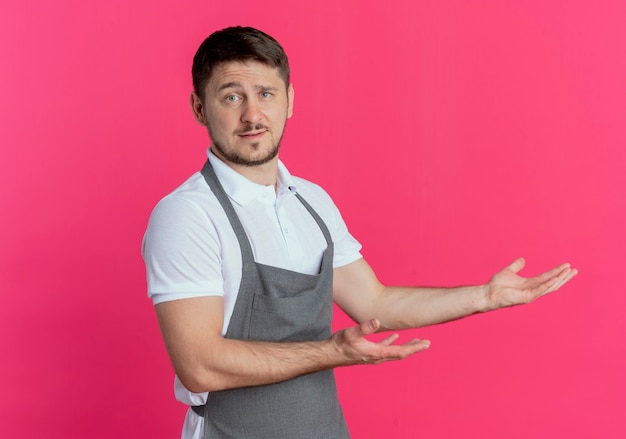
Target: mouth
x,y
252,135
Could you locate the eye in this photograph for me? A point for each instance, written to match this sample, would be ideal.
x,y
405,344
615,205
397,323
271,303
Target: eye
x,y
266,94
232,98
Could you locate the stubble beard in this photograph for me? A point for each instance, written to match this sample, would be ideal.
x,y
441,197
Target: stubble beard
x,y
235,158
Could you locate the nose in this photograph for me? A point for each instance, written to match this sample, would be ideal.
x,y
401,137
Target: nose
x,y
251,112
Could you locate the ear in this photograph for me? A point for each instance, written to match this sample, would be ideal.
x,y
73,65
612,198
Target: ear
x,y
290,94
198,108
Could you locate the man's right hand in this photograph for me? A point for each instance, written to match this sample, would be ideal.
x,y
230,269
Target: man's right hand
x,y
354,345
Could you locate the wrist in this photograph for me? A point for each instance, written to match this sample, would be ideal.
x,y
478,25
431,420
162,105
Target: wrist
x,y
336,354
483,298
339,351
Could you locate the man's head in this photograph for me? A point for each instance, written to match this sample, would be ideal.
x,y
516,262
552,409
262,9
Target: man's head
x,y
242,95
237,44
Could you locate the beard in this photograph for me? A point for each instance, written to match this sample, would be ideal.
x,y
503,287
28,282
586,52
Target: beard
x,y
237,159
233,156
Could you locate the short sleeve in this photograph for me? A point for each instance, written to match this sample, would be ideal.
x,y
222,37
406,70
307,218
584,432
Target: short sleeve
x,y
347,248
181,251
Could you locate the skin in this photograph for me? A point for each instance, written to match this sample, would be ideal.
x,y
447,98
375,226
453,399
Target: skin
x,y
245,110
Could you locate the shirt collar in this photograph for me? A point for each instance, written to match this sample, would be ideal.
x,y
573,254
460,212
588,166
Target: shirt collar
x,y
244,191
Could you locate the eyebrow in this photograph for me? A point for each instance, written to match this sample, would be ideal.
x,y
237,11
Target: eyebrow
x,y
238,85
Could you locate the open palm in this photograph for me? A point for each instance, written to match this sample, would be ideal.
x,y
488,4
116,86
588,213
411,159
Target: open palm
x,y
508,288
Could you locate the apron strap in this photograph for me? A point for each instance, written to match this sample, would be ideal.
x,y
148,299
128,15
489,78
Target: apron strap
x,y
242,237
320,222
222,197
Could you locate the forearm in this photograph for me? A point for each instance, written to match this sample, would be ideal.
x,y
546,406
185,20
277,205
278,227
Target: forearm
x,y
238,363
231,363
412,307
357,290
204,360
359,293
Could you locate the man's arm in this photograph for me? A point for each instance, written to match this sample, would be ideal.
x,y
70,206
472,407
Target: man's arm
x,y
359,293
206,361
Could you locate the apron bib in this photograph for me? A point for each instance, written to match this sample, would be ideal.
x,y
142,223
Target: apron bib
x,y
274,304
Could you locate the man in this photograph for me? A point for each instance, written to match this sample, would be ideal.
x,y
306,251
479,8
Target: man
x,y
244,261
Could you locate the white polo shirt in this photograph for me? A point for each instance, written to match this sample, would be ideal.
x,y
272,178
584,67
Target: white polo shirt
x,y
191,250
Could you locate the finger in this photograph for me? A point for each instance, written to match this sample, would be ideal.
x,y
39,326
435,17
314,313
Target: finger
x,y
517,265
417,345
419,342
389,340
370,326
555,282
544,288
558,277
402,351
551,273
563,278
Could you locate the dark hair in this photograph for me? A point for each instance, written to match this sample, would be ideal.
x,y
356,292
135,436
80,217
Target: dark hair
x,y
236,44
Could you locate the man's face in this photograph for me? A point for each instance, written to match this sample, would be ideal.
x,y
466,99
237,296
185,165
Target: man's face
x,y
246,106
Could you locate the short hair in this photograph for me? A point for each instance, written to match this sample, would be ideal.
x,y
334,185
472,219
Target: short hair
x,y
236,44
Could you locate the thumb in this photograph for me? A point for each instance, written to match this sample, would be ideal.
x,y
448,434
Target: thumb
x,y
517,265
370,326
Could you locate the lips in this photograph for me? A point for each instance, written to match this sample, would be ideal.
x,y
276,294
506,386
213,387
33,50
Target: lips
x,y
252,134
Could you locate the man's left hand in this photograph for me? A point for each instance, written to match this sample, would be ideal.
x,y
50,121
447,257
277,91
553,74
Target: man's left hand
x,y
507,288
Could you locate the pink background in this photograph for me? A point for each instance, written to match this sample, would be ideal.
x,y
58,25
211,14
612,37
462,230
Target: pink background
x,y
454,136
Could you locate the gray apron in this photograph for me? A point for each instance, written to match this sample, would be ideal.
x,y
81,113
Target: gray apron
x,y
279,305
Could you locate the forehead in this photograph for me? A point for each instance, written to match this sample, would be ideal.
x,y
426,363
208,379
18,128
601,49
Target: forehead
x,y
243,73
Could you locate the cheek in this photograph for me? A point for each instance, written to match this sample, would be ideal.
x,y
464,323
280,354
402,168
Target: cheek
x,y
219,125
280,115
215,133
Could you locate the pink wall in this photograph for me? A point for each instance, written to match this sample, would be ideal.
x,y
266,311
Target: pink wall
x,y
454,136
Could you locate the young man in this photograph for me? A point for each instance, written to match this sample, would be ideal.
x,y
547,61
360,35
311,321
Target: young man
x,y
244,262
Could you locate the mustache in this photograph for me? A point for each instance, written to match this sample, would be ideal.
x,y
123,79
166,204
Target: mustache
x,y
250,128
